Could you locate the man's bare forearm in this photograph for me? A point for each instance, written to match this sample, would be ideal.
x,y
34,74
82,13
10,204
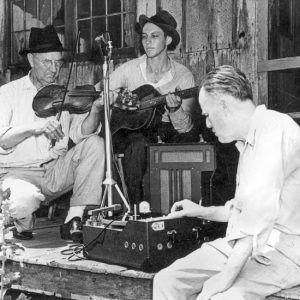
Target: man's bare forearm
x,y
242,250
15,136
187,208
223,280
216,213
92,121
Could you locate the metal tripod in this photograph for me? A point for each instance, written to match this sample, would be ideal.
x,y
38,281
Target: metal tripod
x,y
109,182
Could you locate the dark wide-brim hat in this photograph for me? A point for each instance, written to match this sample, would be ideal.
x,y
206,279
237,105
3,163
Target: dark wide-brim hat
x,y
163,20
42,40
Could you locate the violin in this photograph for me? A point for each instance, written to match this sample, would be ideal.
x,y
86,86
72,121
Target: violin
x,y
54,98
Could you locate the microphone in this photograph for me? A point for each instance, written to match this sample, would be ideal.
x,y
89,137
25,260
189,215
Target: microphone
x,y
104,37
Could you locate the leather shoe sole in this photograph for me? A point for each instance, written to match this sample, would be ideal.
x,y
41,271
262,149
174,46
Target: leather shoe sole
x,y
24,235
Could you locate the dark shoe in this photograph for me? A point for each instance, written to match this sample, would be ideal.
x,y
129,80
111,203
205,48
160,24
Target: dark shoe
x,y
24,235
72,230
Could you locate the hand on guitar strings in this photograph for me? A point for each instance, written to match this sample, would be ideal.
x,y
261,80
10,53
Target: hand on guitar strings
x,y
173,102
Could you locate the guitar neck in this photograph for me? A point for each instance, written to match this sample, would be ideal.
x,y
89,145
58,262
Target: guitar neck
x,y
183,94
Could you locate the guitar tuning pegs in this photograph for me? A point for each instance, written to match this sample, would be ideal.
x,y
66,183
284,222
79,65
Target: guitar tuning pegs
x,y
135,98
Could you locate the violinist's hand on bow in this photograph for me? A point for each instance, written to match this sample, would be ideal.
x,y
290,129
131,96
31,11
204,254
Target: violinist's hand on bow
x,y
51,128
173,102
186,208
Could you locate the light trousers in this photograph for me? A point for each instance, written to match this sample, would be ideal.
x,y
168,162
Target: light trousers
x,y
81,169
183,280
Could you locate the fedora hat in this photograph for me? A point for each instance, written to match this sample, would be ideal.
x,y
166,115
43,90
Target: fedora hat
x,y
43,40
163,20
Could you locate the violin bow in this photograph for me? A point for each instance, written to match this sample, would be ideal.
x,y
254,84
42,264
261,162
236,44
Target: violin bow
x,y
69,76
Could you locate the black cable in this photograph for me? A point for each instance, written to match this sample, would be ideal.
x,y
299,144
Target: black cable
x,y
76,249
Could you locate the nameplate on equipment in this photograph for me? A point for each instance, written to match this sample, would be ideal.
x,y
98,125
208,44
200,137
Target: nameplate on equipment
x,y
158,226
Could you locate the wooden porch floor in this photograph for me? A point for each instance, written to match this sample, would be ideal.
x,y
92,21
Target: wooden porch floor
x,y
46,271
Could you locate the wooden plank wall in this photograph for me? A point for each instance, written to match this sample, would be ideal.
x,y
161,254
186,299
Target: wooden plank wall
x,y
213,32
216,32
3,39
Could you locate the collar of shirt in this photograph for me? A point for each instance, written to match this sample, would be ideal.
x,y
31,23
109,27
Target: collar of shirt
x,y
256,119
167,77
28,83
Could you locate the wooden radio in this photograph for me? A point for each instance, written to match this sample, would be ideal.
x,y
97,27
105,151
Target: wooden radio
x,y
178,171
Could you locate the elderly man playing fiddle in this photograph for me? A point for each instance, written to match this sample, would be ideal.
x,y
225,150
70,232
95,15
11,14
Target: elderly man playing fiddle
x,y
31,164
260,254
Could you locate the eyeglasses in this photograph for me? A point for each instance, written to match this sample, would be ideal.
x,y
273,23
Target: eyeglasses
x,y
47,63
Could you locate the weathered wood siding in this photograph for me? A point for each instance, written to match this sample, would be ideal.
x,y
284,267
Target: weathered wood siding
x,y
216,32
213,32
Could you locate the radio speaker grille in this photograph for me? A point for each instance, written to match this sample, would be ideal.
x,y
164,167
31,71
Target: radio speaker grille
x,y
178,171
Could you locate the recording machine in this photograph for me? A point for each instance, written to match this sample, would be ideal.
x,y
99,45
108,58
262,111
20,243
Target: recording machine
x,y
145,244
148,238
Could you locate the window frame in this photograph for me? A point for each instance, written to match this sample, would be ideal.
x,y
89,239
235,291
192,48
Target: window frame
x,y
265,65
11,64
70,33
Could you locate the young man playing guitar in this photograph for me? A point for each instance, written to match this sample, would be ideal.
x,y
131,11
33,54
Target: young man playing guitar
x,y
173,121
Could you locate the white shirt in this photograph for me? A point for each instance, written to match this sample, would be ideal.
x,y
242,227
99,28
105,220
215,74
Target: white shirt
x,y
16,99
132,75
268,183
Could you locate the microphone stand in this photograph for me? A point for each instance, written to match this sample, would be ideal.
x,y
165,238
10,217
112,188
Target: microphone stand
x,y
109,182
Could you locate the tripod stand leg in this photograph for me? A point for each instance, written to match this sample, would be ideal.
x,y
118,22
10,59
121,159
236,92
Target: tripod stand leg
x,y
121,173
104,196
124,201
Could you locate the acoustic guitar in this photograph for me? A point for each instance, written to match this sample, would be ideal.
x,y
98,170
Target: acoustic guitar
x,y
136,109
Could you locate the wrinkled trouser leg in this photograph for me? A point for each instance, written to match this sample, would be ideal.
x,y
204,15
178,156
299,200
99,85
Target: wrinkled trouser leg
x,y
135,167
257,281
82,168
183,280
